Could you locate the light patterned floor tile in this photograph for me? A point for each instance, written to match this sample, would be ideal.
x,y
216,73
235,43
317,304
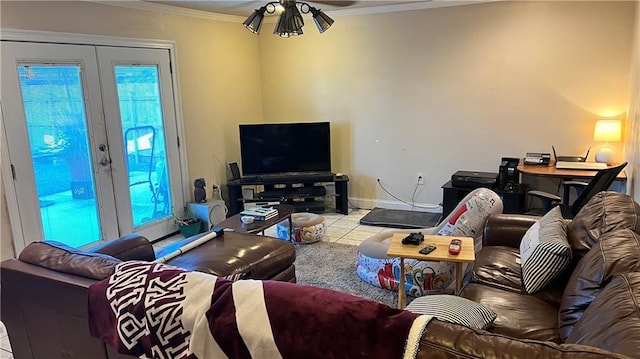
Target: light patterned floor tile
x,y
351,242
336,232
344,224
370,229
332,218
356,215
271,232
357,235
330,239
5,354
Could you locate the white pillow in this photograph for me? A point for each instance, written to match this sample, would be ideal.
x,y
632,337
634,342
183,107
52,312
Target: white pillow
x,y
544,251
453,309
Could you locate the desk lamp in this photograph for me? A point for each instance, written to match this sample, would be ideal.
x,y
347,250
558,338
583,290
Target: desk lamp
x,y
607,130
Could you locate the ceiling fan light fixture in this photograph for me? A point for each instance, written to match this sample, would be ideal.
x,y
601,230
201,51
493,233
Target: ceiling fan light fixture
x,y
290,21
322,20
254,22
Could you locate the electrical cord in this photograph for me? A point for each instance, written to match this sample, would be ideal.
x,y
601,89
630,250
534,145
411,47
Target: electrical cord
x,y
413,197
401,200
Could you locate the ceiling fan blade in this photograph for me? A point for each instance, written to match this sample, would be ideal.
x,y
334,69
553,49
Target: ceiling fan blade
x,y
335,2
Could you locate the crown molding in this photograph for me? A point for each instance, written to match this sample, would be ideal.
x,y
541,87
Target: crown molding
x,y
171,10
10,34
174,10
404,7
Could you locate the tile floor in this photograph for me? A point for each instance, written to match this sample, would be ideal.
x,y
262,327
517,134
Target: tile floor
x,y
341,228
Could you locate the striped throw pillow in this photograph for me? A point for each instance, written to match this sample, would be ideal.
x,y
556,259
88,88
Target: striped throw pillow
x,y
544,251
452,309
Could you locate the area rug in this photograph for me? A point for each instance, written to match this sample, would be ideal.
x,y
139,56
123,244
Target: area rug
x,y
332,266
398,218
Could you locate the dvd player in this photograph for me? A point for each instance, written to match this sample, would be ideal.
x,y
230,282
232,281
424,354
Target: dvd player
x,y
473,179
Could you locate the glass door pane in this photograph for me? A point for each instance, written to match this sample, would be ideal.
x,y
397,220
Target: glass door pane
x,y
144,138
56,122
140,117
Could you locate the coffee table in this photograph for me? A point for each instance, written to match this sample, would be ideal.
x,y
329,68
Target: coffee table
x,y
233,223
441,254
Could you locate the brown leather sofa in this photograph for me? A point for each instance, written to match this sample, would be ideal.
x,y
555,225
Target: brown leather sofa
x,y
44,291
45,310
594,304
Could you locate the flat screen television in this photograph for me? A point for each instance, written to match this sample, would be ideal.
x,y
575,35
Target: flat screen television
x,y
285,148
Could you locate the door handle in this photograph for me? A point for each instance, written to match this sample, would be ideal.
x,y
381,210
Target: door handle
x,y
105,162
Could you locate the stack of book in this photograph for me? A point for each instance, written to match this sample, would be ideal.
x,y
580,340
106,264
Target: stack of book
x,y
260,213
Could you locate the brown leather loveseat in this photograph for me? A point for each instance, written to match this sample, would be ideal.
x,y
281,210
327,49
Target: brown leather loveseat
x,y
44,291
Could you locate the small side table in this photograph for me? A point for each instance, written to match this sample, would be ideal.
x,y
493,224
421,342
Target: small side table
x,y
441,254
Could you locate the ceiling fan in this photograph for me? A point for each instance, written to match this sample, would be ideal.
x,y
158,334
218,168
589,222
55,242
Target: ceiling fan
x,y
290,22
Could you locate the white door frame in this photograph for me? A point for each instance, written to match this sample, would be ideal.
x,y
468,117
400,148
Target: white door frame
x,y
10,192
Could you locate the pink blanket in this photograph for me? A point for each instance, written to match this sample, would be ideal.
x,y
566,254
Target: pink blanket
x,y
158,311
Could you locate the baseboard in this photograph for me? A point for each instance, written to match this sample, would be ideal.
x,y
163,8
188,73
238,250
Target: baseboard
x,y
369,203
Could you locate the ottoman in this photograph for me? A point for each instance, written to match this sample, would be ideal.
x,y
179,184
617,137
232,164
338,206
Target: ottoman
x,y
239,256
307,228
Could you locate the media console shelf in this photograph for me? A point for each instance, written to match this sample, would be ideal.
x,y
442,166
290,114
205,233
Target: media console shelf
x,y
305,193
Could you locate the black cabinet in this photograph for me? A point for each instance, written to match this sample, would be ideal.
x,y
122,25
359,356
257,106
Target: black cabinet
x,y
513,200
305,193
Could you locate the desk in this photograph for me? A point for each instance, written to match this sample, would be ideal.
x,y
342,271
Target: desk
x,y
550,171
553,172
441,254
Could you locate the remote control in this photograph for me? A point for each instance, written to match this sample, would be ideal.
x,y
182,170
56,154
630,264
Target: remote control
x,y
454,246
428,249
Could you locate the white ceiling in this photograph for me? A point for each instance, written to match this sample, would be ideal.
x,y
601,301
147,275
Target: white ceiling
x,y
245,8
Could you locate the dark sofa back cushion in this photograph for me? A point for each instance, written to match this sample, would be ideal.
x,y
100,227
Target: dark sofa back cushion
x,y
612,321
617,252
62,258
605,212
132,247
442,340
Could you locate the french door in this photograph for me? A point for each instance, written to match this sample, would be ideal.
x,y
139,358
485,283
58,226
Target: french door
x,y
92,141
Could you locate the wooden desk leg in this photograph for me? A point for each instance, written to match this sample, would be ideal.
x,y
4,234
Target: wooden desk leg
x,y
458,277
402,294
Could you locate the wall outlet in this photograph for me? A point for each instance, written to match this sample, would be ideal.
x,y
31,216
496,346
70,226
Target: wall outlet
x,y
420,179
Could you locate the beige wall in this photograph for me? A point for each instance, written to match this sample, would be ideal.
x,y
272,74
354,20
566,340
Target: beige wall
x,y
429,91
438,90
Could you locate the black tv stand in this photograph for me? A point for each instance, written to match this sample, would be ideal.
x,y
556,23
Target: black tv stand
x,y
305,191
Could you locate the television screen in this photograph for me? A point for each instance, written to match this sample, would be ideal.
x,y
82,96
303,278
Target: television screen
x,y
285,147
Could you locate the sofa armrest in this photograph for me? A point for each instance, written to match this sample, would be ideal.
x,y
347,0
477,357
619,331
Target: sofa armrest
x,y
506,229
447,340
127,248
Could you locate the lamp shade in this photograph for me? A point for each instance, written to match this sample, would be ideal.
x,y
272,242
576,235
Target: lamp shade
x,y
608,130
254,22
290,22
322,20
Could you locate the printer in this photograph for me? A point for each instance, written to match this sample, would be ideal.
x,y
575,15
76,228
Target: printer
x,y
474,179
